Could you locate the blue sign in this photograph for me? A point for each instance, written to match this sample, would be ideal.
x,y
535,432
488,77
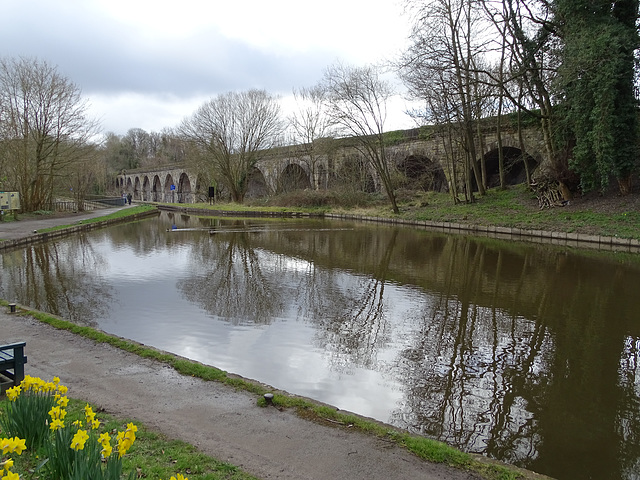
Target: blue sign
x,y
173,187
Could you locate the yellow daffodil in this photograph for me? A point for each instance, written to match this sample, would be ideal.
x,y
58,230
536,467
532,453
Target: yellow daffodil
x,y
56,380
57,412
79,440
11,476
77,423
19,445
7,464
63,401
13,445
13,393
104,438
95,423
63,389
106,451
56,424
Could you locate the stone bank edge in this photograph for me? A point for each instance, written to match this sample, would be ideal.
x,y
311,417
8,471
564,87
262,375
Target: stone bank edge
x,y
575,240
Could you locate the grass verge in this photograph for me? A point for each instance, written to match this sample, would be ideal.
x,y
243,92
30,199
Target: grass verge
x,y
427,449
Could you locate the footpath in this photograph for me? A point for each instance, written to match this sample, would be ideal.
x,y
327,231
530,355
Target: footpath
x,y
219,420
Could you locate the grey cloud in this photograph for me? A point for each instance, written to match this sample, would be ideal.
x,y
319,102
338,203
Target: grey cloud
x,y
105,58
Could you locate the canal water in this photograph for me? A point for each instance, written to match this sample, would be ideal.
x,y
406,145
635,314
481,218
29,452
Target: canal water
x,y
525,353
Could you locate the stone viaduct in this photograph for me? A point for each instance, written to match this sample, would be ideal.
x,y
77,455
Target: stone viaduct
x,y
290,166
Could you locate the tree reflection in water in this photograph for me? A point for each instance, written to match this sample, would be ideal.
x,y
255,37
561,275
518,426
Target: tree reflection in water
x,y
59,278
234,285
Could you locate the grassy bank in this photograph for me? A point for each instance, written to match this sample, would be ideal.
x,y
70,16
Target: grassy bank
x,y
424,448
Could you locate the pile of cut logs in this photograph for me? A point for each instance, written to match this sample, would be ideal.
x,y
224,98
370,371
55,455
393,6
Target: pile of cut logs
x,y
549,193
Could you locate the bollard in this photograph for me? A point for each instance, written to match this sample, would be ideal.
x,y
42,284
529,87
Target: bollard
x,y
268,398
12,308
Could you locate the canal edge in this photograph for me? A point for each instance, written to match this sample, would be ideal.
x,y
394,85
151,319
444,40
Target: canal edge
x,y
574,240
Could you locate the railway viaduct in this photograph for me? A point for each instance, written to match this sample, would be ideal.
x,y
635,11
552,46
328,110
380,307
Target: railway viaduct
x,y
289,167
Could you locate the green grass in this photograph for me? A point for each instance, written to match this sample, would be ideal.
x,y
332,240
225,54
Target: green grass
x,y
152,456
425,448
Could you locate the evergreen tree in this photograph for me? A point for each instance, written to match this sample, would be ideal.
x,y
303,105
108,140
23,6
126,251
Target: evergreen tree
x,y
597,83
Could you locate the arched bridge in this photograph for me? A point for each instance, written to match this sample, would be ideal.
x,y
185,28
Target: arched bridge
x,y
426,162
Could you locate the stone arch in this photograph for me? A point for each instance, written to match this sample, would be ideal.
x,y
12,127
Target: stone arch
x,y
293,177
184,189
129,187
146,189
351,171
136,189
420,173
168,195
514,165
256,184
156,189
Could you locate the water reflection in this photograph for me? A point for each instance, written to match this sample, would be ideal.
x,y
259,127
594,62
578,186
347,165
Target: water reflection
x,y
524,353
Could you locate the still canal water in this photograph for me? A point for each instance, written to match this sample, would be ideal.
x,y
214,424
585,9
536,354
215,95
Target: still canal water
x,y
525,353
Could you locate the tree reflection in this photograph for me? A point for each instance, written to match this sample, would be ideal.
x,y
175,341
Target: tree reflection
x,y
62,278
233,285
358,326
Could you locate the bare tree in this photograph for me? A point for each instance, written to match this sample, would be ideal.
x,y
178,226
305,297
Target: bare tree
x,y
448,40
357,99
44,128
233,130
312,129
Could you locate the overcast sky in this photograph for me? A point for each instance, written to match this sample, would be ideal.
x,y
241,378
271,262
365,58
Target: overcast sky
x,y
148,64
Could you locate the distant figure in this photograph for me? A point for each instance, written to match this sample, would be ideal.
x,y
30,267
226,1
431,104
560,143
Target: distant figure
x,y
129,198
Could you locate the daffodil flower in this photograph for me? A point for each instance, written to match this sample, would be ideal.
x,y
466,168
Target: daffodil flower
x,y
79,440
11,476
13,445
56,424
104,438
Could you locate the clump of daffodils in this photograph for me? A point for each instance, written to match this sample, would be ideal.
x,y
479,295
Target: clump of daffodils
x,y
27,413
93,453
37,416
